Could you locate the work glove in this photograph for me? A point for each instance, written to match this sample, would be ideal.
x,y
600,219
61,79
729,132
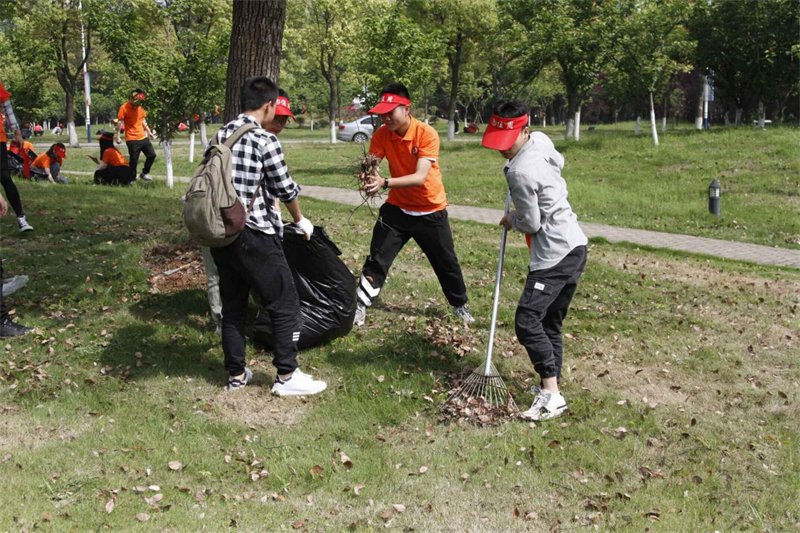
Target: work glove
x,y
306,227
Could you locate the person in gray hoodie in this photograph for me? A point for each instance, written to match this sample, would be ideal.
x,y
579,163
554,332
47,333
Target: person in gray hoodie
x,y
557,246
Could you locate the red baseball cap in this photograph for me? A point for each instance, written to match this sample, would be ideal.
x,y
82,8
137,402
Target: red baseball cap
x,y
387,102
502,132
60,152
282,107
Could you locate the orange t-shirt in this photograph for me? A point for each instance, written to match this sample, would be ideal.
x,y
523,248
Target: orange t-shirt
x,y
132,116
420,141
43,161
27,146
114,158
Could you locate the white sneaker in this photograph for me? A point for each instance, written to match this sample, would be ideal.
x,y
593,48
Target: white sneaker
x,y
361,315
298,384
462,312
145,178
235,384
23,225
545,406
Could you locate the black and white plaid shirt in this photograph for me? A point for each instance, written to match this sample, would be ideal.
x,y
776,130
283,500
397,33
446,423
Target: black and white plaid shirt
x,y
258,156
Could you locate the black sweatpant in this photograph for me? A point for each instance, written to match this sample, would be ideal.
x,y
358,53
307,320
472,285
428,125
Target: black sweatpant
x,y
12,194
256,261
134,148
3,308
120,175
431,232
542,309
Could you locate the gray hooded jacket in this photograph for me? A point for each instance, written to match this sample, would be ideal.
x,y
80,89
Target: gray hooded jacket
x,y
540,200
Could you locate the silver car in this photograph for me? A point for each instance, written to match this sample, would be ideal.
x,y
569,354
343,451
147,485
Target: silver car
x,y
359,130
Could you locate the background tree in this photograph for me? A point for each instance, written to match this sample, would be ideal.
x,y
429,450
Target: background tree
x,y
255,46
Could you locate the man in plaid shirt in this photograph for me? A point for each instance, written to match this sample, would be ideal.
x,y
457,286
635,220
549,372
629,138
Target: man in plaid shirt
x,y
255,260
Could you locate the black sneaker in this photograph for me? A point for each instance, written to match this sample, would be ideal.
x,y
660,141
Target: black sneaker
x,y
240,383
10,329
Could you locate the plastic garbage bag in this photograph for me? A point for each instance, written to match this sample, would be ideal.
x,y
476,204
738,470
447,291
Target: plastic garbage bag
x,y
12,285
325,286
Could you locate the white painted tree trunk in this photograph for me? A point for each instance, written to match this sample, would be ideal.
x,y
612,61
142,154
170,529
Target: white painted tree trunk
x,y
168,162
762,115
653,127
638,124
578,124
333,132
312,121
544,120
451,130
203,134
73,135
698,118
664,124
191,147
570,133
738,119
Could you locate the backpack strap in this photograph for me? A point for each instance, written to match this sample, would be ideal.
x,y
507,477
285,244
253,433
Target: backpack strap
x,y
238,134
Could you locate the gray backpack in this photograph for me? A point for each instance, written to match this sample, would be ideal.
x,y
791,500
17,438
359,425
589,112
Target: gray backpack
x,y
212,211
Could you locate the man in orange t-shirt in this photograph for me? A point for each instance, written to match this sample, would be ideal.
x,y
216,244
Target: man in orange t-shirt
x,y
132,115
416,207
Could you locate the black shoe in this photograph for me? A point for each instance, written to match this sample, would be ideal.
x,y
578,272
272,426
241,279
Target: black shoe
x,y
10,329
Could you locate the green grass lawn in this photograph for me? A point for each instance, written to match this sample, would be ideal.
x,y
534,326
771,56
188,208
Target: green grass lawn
x,y
681,374
614,177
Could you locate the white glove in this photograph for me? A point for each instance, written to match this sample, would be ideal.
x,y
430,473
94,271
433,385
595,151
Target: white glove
x,y
306,227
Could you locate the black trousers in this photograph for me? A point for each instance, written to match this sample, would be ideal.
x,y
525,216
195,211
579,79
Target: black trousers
x,y
137,147
120,175
431,232
3,308
542,309
256,261
12,194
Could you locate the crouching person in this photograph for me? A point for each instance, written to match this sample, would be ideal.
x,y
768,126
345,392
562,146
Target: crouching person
x,y
255,260
557,246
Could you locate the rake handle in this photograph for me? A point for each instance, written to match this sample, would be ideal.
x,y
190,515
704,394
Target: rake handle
x,y
496,301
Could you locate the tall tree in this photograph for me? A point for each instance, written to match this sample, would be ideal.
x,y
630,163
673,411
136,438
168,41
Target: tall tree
x,y
48,34
652,44
256,41
577,35
462,25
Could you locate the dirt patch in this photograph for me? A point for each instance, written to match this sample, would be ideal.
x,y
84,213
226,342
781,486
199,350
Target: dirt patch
x,y
256,406
18,432
175,267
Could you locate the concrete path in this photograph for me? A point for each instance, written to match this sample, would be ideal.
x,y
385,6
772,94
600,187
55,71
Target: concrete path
x,y
738,251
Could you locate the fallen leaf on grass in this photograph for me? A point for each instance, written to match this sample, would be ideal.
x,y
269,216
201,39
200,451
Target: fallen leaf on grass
x,y
532,516
110,506
47,517
299,524
175,465
423,469
621,433
355,488
142,517
387,515
316,470
399,507
154,500
346,462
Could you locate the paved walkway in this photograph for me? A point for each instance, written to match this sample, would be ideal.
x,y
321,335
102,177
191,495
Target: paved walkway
x,y
738,251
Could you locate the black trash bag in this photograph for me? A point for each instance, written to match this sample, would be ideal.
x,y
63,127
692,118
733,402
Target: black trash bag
x,y
325,286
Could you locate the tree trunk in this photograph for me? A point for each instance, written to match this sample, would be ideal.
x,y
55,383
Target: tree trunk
x,y
698,118
638,125
168,162
332,108
762,115
573,106
664,117
256,40
73,134
578,124
738,120
653,127
191,146
544,117
727,117
455,65
203,133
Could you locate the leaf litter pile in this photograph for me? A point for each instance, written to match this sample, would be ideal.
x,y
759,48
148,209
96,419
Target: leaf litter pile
x,y
474,410
175,267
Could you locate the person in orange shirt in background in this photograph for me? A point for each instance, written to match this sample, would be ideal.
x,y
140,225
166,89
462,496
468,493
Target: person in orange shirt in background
x,y
416,207
113,167
48,165
137,134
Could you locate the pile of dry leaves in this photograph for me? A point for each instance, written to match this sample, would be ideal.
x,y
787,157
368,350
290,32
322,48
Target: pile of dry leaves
x,y
459,338
477,411
175,267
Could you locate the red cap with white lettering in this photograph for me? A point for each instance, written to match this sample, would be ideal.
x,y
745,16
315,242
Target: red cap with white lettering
x,y
501,132
388,102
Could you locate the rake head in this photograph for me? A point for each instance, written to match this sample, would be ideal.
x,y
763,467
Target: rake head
x,y
483,391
